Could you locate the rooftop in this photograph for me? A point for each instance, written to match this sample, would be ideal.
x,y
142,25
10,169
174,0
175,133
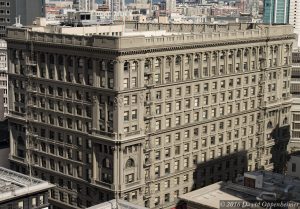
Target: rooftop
x,y
212,195
13,184
267,186
113,203
147,36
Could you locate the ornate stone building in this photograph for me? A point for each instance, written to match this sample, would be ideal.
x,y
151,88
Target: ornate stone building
x,y
3,79
147,118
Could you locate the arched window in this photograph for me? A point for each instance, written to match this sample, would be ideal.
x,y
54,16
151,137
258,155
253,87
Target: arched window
x,y
214,56
110,65
90,63
126,66
270,125
285,121
253,52
60,60
147,64
261,51
51,59
178,60
157,62
42,58
168,61
130,163
106,163
70,61
20,141
238,54
134,66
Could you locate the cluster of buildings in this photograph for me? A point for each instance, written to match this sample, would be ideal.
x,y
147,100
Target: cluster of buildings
x,y
147,113
175,98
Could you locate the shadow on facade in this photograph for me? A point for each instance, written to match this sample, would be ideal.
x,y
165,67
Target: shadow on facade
x,y
281,137
225,168
4,135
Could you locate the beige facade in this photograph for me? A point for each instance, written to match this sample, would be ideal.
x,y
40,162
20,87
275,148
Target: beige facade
x,y
148,118
294,144
3,78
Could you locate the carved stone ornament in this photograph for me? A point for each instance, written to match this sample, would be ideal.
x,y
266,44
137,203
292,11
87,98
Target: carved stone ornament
x,y
141,98
118,101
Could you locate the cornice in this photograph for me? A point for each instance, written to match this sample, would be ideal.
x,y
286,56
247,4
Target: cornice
x,y
154,49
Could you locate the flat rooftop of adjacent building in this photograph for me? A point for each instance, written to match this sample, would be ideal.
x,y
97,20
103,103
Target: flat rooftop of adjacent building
x,y
211,195
113,203
271,183
14,184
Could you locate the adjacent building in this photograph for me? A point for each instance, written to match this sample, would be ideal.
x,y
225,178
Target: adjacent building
x,y
148,115
22,192
294,144
116,204
85,5
28,10
293,165
276,11
3,80
294,15
253,190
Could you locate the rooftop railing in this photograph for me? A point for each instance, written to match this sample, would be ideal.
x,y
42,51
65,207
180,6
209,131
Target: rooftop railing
x,y
140,41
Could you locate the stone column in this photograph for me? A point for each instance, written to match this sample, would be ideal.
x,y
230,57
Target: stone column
x,y
55,67
218,63
209,63
257,57
162,69
200,61
234,54
120,160
47,65
192,66
74,69
153,70
141,72
226,57
96,113
84,71
95,164
116,169
182,67
38,74
172,70
267,64
95,68
141,162
242,60
106,78
64,68
118,75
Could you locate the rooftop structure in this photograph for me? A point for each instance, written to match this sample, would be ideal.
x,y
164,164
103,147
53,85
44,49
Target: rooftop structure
x,y
16,187
252,187
113,204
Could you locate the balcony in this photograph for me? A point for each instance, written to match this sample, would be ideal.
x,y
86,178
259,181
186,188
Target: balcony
x,y
132,133
104,133
147,163
148,102
104,185
31,63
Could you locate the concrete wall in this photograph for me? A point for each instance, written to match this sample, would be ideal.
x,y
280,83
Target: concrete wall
x,y
294,160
